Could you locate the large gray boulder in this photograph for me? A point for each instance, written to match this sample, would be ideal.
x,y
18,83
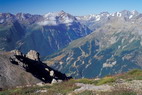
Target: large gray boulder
x,y
52,73
32,54
54,81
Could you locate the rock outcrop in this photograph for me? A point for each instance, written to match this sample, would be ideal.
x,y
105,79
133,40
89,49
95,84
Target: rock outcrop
x,y
17,52
32,54
17,69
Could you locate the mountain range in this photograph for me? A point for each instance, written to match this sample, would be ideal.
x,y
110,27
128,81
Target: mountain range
x,y
80,46
114,47
95,21
43,33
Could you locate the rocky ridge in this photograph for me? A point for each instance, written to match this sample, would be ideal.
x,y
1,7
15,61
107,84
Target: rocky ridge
x,y
18,69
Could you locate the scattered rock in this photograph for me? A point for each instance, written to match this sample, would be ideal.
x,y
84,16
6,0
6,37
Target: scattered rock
x,y
97,79
91,87
43,78
59,81
134,85
52,73
47,69
54,81
41,91
40,84
32,54
29,85
120,81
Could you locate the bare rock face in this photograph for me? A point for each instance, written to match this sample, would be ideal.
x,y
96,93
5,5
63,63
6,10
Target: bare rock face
x,y
17,69
32,54
14,59
16,52
12,73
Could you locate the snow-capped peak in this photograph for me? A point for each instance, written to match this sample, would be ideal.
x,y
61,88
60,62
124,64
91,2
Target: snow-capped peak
x,y
134,12
57,18
118,14
125,13
98,17
20,15
92,17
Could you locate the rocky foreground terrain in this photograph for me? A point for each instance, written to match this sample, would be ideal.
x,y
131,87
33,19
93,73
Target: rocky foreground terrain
x,y
17,69
129,83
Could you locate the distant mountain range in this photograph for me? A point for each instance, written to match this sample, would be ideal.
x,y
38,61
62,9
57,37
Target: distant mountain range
x,y
115,46
98,20
45,34
80,46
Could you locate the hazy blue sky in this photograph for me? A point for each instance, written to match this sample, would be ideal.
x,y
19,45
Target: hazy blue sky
x,y
74,7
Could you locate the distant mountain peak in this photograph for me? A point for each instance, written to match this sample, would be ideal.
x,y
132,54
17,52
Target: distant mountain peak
x,y
62,11
56,18
106,16
134,12
54,13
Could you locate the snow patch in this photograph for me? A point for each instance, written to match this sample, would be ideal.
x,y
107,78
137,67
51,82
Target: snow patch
x,y
61,62
57,18
122,41
132,39
108,15
98,18
2,20
130,16
22,15
118,14
68,58
105,65
113,14
67,20
119,47
83,62
47,23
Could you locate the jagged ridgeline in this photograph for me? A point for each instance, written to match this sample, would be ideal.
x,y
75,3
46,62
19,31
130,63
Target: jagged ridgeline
x,y
17,69
43,33
114,47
